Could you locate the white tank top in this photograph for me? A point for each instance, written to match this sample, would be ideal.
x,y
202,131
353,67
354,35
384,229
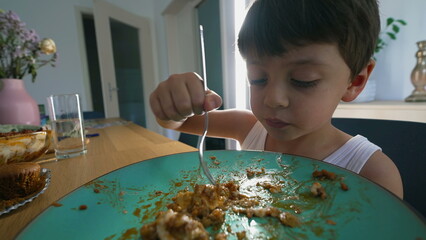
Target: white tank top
x,y
352,155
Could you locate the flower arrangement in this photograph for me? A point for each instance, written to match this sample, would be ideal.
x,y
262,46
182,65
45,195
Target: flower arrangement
x,y
391,30
21,49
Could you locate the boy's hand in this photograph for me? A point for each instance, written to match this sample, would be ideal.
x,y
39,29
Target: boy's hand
x,y
182,96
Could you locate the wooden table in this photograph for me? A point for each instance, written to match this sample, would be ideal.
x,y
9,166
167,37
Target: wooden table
x,y
115,147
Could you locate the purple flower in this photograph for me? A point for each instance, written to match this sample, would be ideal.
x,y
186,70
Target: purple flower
x,y
20,48
13,16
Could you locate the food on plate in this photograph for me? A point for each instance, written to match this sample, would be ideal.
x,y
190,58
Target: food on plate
x,y
173,225
343,186
207,203
331,222
285,218
22,143
19,180
318,191
82,207
273,188
324,174
191,212
241,235
251,173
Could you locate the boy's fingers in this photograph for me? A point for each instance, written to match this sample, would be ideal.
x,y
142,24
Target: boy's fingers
x,y
196,93
212,101
182,100
168,107
188,94
157,110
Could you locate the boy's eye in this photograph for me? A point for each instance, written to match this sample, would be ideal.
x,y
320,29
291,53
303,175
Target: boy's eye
x,y
304,84
258,82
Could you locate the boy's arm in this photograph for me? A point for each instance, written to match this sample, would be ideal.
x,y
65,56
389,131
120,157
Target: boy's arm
x,y
381,170
232,123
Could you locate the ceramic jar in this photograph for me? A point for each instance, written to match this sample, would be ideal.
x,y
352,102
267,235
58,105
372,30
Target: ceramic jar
x,y
16,105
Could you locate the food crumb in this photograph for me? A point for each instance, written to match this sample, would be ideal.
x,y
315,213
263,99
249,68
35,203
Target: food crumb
x,y
55,204
331,222
241,235
96,190
270,187
343,186
324,174
82,207
220,236
251,173
296,208
213,158
125,211
318,191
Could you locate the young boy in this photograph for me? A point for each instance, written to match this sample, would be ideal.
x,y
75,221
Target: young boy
x,y
303,57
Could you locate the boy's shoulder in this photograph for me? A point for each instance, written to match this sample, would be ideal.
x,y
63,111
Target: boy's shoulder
x,y
382,170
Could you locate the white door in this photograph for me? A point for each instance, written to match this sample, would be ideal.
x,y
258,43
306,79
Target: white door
x,y
126,62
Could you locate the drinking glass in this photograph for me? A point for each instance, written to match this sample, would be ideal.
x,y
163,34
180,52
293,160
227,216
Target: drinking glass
x,y
67,125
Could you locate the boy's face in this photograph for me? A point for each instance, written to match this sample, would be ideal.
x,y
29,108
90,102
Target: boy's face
x,y
296,94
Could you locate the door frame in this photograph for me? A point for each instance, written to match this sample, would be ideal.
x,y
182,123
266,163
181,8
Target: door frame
x,y
103,11
79,11
182,38
182,35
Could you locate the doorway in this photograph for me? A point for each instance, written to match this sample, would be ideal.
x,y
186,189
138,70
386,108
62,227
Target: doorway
x,y
128,72
122,73
91,48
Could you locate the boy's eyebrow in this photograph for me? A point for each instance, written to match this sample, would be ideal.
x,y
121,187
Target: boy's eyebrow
x,y
302,61
312,61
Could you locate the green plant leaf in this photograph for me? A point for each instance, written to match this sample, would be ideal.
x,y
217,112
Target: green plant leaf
x,y
391,35
402,22
395,28
389,21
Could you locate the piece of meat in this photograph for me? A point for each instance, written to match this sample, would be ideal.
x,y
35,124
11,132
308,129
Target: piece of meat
x,y
318,191
172,225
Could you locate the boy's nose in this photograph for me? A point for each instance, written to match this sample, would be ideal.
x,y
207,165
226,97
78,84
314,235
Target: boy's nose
x,y
276,96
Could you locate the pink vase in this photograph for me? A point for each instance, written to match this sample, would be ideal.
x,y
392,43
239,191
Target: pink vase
x,y
16,105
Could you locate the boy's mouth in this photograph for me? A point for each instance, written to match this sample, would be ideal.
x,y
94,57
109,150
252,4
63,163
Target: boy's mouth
x,y
276,123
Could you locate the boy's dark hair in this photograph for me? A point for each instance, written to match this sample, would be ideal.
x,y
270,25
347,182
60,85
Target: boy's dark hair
x,y
354,25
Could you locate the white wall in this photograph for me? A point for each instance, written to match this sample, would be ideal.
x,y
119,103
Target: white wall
x,y
58,20
397,60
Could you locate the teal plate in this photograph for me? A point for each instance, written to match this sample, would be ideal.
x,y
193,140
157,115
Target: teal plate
x,y
120,202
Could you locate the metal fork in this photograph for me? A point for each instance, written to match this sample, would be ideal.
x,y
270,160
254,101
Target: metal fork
x,y
201,140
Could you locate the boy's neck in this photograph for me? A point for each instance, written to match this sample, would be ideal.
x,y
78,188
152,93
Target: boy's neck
x,y
314,145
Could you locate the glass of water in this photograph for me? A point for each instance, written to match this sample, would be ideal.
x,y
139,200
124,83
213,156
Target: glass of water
x,y
67,125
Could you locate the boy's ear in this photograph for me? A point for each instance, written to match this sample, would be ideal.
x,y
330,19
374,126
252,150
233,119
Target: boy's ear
x,y
358,83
